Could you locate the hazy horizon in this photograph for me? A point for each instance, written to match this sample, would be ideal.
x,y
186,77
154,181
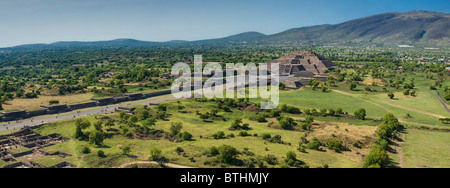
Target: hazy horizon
x,y
49,21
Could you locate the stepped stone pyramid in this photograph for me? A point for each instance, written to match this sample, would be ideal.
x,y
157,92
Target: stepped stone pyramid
x,y
303,64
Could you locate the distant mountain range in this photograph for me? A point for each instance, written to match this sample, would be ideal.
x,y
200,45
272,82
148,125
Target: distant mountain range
x,y
417,28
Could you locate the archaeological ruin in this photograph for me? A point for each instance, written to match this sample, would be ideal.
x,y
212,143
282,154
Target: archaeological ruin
x,y
297,68
303,63
33,144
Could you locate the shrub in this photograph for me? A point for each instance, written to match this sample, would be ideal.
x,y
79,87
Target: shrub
x,y
361,114
175,128
271,159
100,153
335,145
261,119
155,154
276,139
266,136
51,102
293,110
287,123
275,113
179,150
96,138
377,158
391,95
85,150
126,150
185,136
243,134
227,154
219,135
314,144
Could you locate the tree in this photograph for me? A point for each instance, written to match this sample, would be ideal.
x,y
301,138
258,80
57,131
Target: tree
x,y
291,158
204,117
85,150
352,86
261,119
122,114
155,154
361,114
214,112
149,122
142,113
133,119
377,158
284,108
331,112
339,111
185,136
31,95
96,138
282,86
227,154
406,92
391,95
98,126
162,107
126,150
52,102
307,124
287,123
266,136
100,153
81,124
335,145
236,125
314,144
175,128
161,114
307,112
219,135
275,113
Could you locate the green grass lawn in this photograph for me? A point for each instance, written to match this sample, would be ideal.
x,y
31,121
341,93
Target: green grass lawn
x,y
307,98
426,149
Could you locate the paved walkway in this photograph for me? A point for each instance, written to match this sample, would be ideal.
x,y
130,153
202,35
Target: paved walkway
x,y
39,120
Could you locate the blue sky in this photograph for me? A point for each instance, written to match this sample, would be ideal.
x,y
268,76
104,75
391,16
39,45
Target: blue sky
x,y
46,21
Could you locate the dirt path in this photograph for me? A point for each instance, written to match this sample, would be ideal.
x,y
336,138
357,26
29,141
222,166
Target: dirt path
x,y
170,165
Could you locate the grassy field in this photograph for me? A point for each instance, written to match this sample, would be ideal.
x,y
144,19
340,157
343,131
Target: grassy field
x,y
426,149
324,129
420,149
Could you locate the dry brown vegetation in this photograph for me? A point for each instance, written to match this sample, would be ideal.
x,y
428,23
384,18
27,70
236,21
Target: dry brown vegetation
x,y
27,104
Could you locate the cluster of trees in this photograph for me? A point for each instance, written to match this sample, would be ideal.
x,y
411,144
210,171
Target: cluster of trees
x,y
96,137
378,157
292,161
324,112
275,139
225,154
